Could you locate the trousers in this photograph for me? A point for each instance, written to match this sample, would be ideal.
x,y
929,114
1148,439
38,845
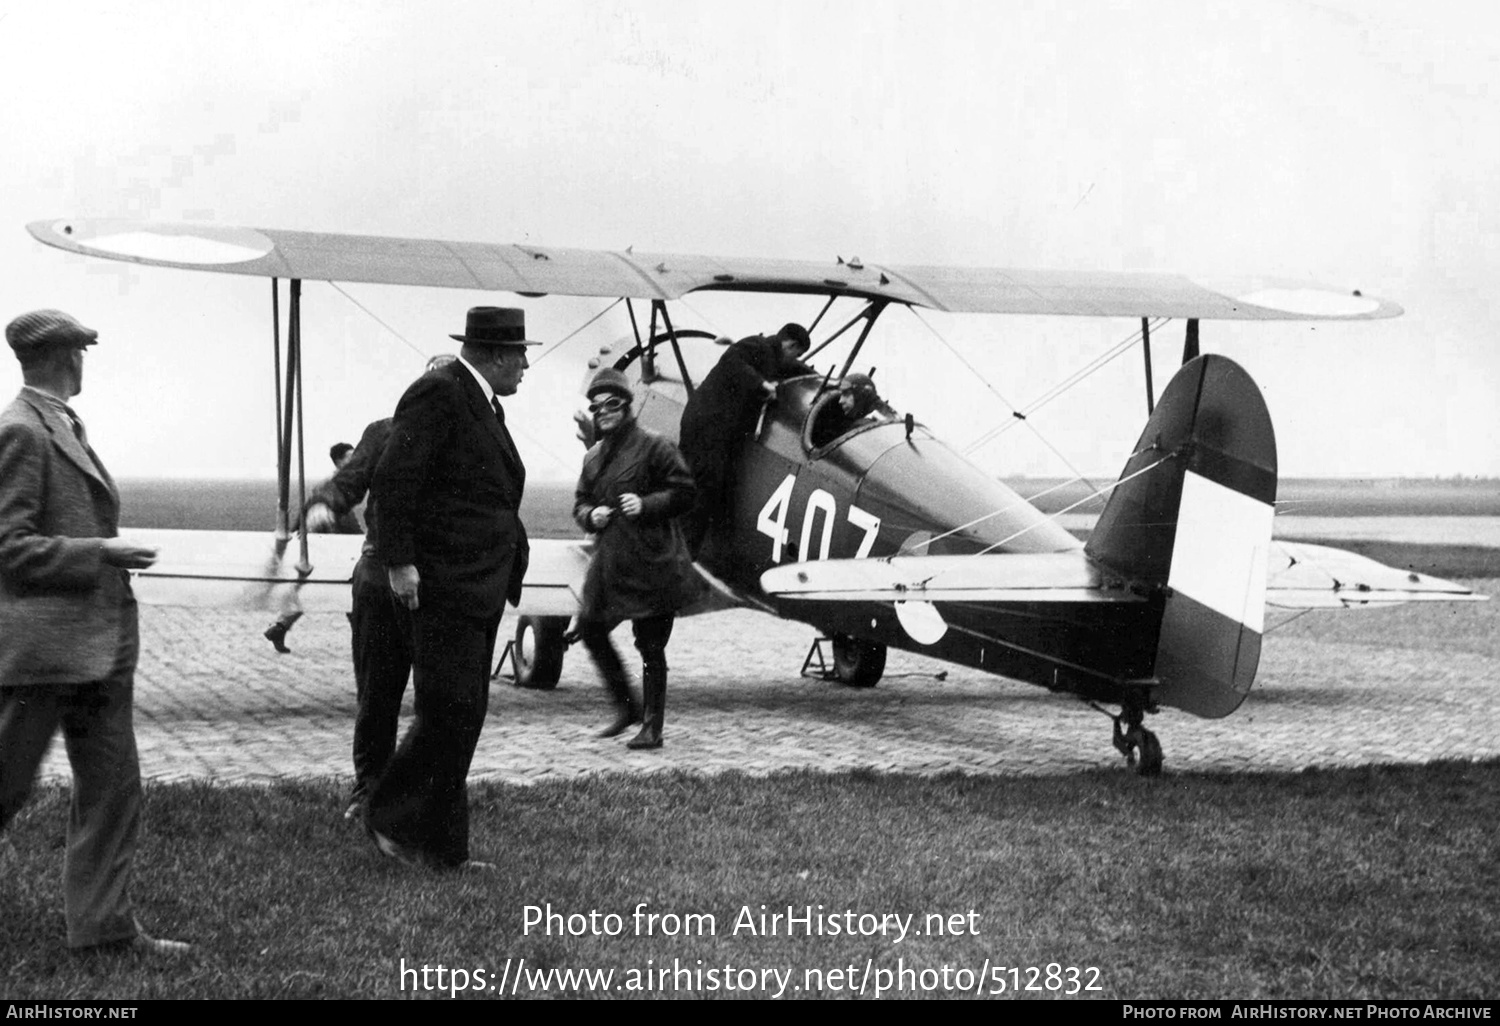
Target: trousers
x,y
104,815
382,664
651,636
422,800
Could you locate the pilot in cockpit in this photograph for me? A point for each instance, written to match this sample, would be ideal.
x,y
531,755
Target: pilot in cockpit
x,y
856,400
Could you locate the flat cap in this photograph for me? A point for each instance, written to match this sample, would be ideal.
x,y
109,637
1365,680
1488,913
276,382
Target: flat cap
x,y
41,329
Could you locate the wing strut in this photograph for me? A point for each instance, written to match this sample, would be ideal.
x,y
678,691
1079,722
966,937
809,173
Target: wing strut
x,y
293,396
831,339
818,319
870,313
666,319
282,526
294,343
648,347
1146,351
1190,341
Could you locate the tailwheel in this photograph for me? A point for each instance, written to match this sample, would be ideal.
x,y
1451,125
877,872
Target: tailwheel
x,y
1140,746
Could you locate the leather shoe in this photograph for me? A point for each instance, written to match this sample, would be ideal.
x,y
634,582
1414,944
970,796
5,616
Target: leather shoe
x,y
276,635
394,849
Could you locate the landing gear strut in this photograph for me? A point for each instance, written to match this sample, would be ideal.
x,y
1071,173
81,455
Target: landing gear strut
x,y
1131,738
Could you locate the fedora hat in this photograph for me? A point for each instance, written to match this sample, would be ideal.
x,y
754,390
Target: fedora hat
x,y
495,326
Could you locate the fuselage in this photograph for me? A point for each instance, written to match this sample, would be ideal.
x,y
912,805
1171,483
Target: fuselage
x,y
883,487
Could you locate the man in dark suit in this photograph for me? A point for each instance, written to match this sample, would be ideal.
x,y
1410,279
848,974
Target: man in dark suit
x,y
721,413
377,623
68,632
446,494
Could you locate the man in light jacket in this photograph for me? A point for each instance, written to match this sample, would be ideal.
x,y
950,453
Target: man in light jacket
x,y
68,633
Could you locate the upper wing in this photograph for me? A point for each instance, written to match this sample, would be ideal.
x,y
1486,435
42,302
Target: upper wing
x,y
535,270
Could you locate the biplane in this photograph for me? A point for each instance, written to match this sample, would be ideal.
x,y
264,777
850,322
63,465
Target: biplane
x,y
876,533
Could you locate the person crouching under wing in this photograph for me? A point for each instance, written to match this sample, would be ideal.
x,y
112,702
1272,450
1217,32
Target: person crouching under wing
x,y
633,486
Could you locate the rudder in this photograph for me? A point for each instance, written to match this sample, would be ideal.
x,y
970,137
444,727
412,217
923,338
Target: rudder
x,y
1191,520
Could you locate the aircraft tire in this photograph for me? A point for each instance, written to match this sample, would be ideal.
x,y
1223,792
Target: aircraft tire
x,y
538,651
857,663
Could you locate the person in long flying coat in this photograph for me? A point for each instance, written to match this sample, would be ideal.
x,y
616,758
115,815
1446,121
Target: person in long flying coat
x,y
633,486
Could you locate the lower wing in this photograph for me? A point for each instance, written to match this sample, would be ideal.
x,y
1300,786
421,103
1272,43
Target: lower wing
x,y
251,570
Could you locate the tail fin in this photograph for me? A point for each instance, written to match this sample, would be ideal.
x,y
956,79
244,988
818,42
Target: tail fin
x,y
1191,519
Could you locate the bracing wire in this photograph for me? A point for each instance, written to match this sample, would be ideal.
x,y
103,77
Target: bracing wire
x,y
1066,509
371,314
1108,356
1295,616
1072,506
1003,509
961,358
1018,415
554,346
513,426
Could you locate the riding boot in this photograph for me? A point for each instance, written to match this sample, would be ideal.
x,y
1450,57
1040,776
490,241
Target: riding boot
x,y
595,637
627,709
654,680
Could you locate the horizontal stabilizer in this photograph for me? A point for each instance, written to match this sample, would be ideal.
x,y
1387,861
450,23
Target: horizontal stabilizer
x,y
1303,576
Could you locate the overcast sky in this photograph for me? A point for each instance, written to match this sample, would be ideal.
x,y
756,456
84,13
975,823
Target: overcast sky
x,y
1348,143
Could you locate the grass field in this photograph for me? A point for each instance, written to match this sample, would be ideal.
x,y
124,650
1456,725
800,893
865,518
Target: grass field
x,y
1367,883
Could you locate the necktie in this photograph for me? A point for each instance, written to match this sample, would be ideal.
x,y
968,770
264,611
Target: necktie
x,y
78,432
506,444
83,438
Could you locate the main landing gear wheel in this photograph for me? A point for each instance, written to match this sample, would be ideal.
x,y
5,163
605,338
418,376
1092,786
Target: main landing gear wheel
x,y
538,651
857,663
